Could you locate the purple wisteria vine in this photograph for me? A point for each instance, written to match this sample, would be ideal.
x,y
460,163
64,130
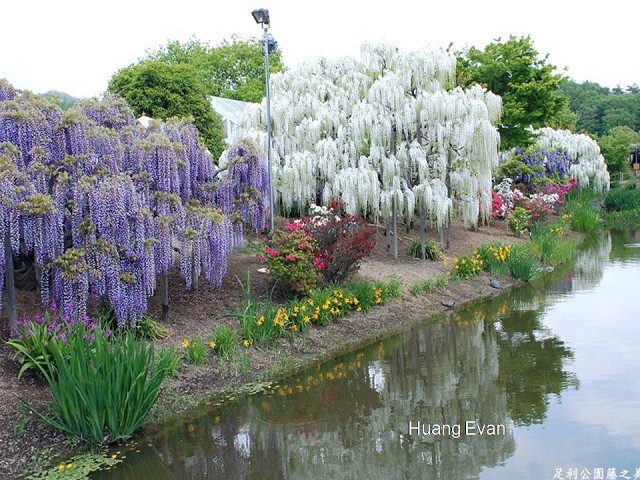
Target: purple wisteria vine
x,y
102,204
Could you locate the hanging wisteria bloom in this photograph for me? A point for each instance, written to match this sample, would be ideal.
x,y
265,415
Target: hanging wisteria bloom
x,y
104,206
385,135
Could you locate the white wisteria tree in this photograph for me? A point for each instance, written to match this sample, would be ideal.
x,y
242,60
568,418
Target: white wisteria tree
x,y
387,135
587,164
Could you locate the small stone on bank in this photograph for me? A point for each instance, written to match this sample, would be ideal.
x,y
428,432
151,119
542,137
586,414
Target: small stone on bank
x,y
495,284
448,302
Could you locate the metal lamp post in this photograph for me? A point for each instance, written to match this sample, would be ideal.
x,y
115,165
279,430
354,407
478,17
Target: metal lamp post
x,y
261,16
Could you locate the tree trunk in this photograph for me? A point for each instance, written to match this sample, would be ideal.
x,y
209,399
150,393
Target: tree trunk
x,y
447,230
194,275
164,297
423,228
10,287
387,234
448,234
394,220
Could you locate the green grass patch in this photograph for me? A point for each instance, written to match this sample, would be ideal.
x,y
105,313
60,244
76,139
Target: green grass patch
x,y
223,341
432,250
522,263
619,199
584,216
625,219
429,285
196,351
174,360
426,286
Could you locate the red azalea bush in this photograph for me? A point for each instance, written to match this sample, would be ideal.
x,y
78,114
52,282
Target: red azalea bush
x,y
343,243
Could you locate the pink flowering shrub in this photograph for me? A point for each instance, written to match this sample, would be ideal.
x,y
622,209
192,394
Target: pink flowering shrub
x,y
539,206
522,210
560,190
292,260
508,197
327,245
498,207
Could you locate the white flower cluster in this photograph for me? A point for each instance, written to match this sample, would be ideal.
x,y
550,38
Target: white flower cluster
x,y
320,214
548,199
385,133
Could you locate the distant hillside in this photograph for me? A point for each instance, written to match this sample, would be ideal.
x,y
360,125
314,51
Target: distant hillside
x,y
63,99
600,109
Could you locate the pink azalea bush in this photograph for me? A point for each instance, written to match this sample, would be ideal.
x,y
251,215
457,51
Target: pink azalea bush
x,y
292,260
326,246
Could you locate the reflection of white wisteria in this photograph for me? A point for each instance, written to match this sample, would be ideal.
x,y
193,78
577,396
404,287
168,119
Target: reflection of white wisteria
x,y
440,374
376,376
349,418
590,262
583,273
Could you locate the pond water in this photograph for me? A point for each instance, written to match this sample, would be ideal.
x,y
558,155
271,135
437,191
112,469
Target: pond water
x,y
548,371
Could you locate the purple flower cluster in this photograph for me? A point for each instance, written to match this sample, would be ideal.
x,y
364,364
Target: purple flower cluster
x,y
55,324
101,202
544,163
7,92
245,188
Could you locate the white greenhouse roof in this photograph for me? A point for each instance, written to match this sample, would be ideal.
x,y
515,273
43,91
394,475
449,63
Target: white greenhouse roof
x,y
228,109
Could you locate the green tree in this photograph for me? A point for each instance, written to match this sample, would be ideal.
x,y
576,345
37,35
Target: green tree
x,y
234,69
64,100
599,109
162,90
527,84
616,148
621,109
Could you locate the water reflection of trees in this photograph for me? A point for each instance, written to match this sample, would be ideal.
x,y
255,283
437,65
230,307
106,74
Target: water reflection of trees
x,y
621,250
494,362
532,366
591,258
438,374
348,419
531,360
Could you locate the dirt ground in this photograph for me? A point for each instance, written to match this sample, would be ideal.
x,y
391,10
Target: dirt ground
x,y
25,441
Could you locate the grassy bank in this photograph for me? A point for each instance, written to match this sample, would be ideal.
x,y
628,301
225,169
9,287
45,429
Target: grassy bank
x,y
622,208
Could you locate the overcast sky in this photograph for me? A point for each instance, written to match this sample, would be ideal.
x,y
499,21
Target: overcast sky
x,y
76,46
